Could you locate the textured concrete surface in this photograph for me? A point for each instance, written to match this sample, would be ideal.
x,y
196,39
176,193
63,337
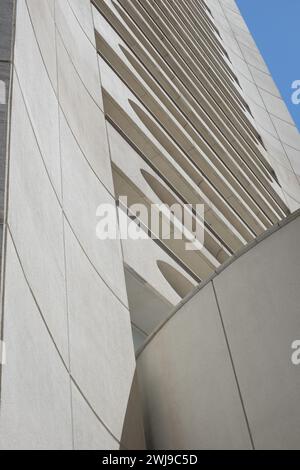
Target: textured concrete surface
x,y
102,360
261,325
230,339
195,405
70,357
35,220
35,395
89,432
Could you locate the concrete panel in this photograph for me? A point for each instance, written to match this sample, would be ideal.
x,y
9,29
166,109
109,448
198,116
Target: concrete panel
x,y
84,118
133,427
5,73
294,157
215,6
251,92
35,393
6,22
231,44
138,338
236,19
39,95
51,4
244,37
293,203
261,325
147,308
221,22
264,81
254,58
82,53
89,432
35,218
83,13
190,397
102,356
231,5
240,66
141,256
262,117
288,133
276,106
83,193
289,181
42,18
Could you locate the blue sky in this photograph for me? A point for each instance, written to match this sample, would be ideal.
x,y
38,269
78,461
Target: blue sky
x,y
275,25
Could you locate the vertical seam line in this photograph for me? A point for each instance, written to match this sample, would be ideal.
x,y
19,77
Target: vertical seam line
x,y
233,367
63,230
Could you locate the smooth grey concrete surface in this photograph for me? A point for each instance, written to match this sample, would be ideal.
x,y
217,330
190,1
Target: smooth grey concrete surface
x,y
133,426
189,393
257,328
147,308
5,76
83,194
35,396
41,14
261,324
82,52
35,219
82,11
84,117
89,433
38,93
102,357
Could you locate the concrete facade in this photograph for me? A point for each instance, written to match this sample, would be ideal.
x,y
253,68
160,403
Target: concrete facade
x,y
70,357
164,102
230,381
272,118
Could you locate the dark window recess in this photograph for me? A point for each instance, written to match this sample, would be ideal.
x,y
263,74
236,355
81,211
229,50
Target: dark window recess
x,y
274,175
260,140
249,110
208,9
227,55
237,81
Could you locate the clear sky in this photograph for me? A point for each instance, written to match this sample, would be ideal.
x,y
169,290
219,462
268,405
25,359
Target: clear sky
x,y
275,25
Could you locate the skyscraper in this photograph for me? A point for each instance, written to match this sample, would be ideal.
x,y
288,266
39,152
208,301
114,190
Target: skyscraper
x,y
124,104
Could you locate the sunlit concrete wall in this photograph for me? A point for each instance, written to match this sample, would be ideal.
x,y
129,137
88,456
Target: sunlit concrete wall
x,y
271,116
69,377
218,374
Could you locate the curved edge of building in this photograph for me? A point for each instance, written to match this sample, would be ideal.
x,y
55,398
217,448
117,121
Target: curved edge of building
x,y
64,383
218,374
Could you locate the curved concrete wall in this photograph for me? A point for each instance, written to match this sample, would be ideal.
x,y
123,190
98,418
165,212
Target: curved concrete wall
x,y
70,365
135,98
218,374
